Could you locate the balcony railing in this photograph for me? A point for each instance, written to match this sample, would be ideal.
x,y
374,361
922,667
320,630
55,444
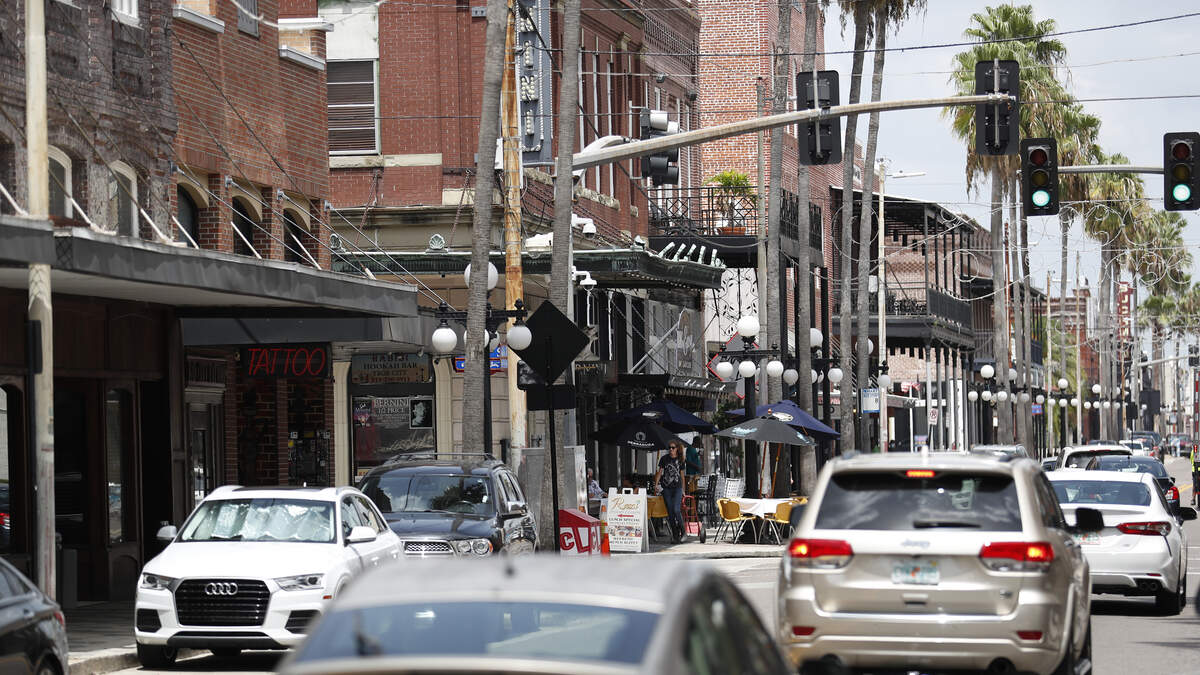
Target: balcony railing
x,y
917,300
983,347
707,211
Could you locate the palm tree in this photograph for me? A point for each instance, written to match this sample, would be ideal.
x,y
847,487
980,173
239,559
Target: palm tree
x,y
1036,55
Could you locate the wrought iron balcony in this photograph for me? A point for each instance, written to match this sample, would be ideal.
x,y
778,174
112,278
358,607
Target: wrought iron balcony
x,y
915,300
706,211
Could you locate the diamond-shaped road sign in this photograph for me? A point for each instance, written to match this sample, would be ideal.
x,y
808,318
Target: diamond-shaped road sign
x,y
556,342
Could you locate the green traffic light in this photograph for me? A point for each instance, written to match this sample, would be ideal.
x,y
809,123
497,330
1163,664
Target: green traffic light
x,y
1181,192
1040,198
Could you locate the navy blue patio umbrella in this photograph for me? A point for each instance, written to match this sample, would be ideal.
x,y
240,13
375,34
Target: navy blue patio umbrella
x,y
665,413
794,415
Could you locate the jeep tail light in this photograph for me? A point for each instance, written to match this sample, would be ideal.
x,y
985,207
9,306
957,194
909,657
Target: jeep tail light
x,y
1153,528
820,553
801,631
1173,494
4,519
1017,556
1031,635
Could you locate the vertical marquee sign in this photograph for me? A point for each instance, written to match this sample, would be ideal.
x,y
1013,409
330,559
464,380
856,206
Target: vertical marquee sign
x,y
534,82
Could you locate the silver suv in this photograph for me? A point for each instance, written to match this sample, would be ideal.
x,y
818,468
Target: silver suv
x,y
937,561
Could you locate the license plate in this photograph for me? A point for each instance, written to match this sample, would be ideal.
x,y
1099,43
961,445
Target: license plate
x,y
925,573
1088,538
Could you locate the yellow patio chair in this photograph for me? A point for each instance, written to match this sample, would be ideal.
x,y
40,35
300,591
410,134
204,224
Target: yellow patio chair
x,y
731,517
780,519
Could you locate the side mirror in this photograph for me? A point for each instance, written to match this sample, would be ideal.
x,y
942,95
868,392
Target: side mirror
x,y
361,534
166,534
1088,520
514,510
1187,513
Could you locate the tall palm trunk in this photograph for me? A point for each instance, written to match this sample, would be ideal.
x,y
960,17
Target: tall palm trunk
x,y
774,306
999,308
808,468
1106,341
848,386
481,224
1064,222
1019,292
864,225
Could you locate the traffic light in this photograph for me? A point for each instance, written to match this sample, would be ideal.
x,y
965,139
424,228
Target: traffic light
x,y
1039,176
1194,356
660,168
1179,170
824,137
997,125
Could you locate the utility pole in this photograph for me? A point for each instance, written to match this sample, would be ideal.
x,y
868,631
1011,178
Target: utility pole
x,y
761,249
40,314
1079,324
513,280
881,273
1049,367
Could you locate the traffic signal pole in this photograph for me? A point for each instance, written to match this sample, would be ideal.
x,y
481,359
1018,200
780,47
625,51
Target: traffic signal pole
x,y
661,144
514,283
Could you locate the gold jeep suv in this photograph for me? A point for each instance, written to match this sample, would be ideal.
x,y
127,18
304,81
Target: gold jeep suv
x,y
936,562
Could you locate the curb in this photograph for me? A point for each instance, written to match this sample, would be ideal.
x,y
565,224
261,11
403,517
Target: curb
x,y
115,660
708,555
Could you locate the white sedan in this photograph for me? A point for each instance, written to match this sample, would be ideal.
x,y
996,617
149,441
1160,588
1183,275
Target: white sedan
x,y
252,567
1142,549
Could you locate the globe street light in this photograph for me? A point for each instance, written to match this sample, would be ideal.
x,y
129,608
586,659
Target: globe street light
x,y
725,370
815,338
987,371
972,396
835,376
1096,389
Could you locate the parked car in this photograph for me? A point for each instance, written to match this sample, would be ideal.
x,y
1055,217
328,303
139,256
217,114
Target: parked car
x,y
468,506
1166,482
945,562
1010,450
1049,463
251,567
1152,440
546,615
1142,549
1179,444
33,632
1079,456
1138,447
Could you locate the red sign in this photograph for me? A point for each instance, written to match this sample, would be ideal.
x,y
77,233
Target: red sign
x,y
285,361
578,533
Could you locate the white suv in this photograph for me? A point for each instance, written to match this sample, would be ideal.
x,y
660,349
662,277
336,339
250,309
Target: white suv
x,y
252,567
936,562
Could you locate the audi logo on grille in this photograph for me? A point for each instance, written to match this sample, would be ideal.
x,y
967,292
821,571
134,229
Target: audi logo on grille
x,y
221,588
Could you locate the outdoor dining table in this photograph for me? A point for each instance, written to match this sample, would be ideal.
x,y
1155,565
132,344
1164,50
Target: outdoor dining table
x,y
760,508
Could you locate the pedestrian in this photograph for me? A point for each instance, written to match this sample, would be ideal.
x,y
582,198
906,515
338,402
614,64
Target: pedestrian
x,y
669,479
593,486
1195,461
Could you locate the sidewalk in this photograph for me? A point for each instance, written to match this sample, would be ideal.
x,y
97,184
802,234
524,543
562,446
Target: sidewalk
x,y
691,548
100,637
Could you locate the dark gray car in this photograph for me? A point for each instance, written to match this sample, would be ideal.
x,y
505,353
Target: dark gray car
x,y
33,633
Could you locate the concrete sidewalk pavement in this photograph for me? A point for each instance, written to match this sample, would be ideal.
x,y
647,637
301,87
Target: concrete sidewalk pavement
x,y
100,637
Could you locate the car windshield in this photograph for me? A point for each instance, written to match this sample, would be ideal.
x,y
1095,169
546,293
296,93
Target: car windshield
x,y
397,492
1081,459
535,630
1101,492
294,520
1129,465
894,501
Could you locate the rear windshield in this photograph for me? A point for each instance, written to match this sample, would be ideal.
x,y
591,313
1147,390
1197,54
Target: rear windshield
x,y
1081,459
1101,492
892,501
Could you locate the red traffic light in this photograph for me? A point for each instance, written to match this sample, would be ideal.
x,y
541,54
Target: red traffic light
x,y
1038,156
1181,150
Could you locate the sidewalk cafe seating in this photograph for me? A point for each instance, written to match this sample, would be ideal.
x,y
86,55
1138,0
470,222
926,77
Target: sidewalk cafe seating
x,y
732,518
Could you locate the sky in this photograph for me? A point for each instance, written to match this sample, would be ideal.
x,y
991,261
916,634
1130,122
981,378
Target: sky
x,y
921,140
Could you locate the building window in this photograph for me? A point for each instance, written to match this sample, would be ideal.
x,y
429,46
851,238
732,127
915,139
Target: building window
x,y
60,183
243,225
122,198
189,215
125,9
351,107
248,17
294,239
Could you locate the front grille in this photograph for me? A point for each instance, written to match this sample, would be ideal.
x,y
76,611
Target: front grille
x,y
422,548
299,620
198,606
147,620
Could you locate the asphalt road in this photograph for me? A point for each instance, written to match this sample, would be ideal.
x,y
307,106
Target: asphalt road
x,y
1128,635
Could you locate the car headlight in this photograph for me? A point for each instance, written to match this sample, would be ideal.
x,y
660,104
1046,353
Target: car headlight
x,y
302,582
156,582
476,546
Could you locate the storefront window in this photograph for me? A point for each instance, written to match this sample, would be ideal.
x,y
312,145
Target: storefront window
x,y
117,409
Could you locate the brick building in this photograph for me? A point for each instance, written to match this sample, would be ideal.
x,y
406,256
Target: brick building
x,y
155,305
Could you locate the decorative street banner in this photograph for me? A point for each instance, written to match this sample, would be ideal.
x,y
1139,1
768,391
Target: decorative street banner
x,y
272,361
626,523
534,86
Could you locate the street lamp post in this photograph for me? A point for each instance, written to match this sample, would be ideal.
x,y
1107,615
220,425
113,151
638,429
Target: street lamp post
x,y
1063,393
747,368
988,372
445,339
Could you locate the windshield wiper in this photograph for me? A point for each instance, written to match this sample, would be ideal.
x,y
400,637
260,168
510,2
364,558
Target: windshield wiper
x,y
923,524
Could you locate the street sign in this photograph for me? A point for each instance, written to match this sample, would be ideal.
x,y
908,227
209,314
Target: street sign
x,y
870,400
497,361
556,342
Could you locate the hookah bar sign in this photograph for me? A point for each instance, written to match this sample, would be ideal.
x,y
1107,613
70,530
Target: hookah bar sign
x,y
285,361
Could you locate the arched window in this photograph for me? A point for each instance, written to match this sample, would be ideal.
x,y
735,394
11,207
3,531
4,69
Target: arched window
x,y
189,214
243,222
295,239
60,183
123,199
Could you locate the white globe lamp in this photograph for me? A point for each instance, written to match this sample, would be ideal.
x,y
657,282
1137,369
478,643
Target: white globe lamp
x,y
444,339
815,338
870,346
725,370
987,371
791,376
519,337
816,377
1087,405
1002,396
885,381
1012,374
1096,389
492,279
972,396
1062,383
774,368
1024,397
1040,399
835,375
747,326
1074,402
747,369
987,395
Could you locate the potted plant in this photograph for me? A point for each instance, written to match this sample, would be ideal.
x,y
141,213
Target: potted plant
x,y
728,186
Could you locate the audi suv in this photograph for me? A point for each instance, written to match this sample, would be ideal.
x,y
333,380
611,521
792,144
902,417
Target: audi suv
x,y
252,567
